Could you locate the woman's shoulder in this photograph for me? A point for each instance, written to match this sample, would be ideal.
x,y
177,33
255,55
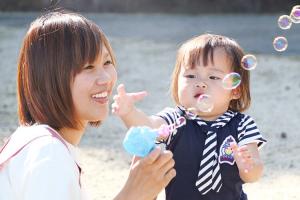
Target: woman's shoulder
x,y
35,143
37,158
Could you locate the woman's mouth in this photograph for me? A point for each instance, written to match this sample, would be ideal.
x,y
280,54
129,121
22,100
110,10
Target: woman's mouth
x,y
101,97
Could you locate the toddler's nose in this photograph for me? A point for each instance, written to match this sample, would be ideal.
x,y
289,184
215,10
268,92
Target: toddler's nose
x,y
201,85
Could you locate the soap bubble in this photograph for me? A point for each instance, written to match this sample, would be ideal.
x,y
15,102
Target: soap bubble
x,y
284,22
295,14
231,81
249,62
280,43
205,103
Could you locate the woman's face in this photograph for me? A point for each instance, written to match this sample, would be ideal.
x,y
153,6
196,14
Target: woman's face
x,y
92,88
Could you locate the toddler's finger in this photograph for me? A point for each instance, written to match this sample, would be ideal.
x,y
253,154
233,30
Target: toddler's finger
x,y
115,108
243,148
121,90
116,97
234,147
137,96
246,155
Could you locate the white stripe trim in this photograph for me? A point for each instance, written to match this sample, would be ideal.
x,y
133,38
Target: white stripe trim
x,y
216,182
205,168
213,136
216,170
218,124
207,158
204,177
211,146
245,124
205,185
251,132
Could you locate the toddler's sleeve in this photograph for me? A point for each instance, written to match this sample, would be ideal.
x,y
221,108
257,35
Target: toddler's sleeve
x,y
249,133
170,115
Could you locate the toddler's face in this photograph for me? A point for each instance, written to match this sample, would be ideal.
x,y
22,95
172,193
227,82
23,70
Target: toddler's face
x,y
206,80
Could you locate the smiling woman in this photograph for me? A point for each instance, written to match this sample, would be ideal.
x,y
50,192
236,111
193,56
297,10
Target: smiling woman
x,y
66,73
92,86
50,43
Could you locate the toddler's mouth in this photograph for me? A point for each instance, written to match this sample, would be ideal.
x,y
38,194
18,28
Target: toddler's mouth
x,y
197,95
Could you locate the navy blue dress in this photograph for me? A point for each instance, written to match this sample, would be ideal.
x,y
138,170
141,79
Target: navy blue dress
x,y
187,147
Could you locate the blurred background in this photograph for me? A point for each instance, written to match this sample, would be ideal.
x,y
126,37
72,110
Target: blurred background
x,y
150,6
145,35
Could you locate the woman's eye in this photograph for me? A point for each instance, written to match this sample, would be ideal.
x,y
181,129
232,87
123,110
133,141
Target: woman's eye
x,y
190,76
214,78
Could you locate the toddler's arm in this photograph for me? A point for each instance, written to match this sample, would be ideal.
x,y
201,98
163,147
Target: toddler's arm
x,y
248,161
124,107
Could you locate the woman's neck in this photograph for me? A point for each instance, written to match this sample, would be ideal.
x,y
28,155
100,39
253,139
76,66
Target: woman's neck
x,y
72,136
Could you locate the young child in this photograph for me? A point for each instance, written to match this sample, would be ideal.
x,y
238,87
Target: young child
x,y
66,74
217,151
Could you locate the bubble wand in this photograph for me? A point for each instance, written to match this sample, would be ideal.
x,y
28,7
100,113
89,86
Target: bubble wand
x,y
140,140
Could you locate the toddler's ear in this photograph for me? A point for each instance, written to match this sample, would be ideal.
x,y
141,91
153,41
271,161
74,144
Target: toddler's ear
x,y
236,93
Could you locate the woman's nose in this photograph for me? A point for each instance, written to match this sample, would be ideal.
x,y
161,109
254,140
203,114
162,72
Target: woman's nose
x,y
103,77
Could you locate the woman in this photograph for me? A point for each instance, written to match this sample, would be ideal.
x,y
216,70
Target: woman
x,y
66,73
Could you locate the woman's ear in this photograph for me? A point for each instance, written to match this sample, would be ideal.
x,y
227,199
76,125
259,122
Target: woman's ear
x,y
236,93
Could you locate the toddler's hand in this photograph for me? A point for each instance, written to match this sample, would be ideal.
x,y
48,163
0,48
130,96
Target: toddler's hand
x,y
124,102
243,157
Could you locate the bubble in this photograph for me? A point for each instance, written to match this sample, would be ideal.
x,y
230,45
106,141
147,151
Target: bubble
x,y
280,43
249,62
231,81
284,22
205,103
295,14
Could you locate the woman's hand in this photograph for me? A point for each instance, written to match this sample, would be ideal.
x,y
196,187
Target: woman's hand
x,y
148,176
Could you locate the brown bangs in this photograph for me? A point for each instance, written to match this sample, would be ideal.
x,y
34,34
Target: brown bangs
x,y
202,52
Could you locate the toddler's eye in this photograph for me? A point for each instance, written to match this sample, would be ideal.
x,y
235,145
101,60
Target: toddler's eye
x,y
190,76
108,62
89,67
214,78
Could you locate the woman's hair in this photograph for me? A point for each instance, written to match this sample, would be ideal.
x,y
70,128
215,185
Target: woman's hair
x,y
55,48
203,47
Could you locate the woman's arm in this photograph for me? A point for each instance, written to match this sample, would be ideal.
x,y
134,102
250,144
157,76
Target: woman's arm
x,y
148,176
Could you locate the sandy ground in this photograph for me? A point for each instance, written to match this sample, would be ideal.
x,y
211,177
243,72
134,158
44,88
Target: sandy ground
x,y
145,46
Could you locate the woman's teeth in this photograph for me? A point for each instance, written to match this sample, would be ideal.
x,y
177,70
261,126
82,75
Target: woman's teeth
x,y
100,95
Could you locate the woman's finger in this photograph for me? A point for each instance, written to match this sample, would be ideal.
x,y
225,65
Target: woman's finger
x,y
152,157
164,158
167,167
169,176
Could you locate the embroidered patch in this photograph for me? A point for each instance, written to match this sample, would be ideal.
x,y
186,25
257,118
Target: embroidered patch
x,y
226,155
